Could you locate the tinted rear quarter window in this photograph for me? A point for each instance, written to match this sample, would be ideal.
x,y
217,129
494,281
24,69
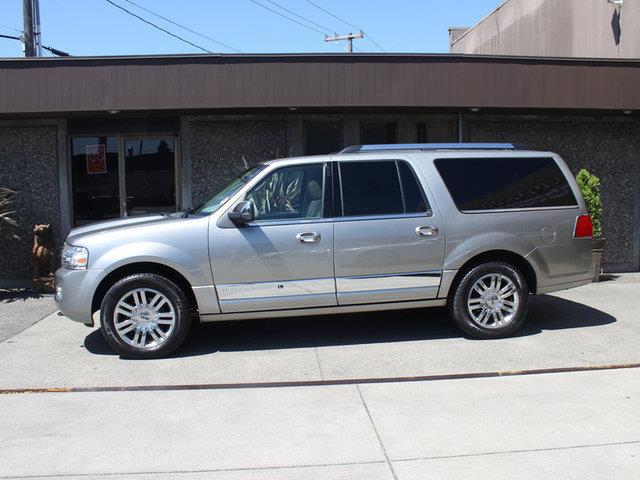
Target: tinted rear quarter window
x,y
505,183
414,199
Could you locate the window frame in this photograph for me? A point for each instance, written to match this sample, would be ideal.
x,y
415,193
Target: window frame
x,y
507,210
340,215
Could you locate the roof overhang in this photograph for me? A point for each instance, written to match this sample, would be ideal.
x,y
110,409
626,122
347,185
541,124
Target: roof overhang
x,y
310,82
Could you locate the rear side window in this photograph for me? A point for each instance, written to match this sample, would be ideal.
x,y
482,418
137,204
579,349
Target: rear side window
x,y
505,183
370,188
414,199
380,188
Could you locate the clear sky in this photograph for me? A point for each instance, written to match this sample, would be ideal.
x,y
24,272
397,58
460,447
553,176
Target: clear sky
x,y
94,27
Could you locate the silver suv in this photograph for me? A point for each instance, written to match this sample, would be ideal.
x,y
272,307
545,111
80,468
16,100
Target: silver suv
x,y
477,228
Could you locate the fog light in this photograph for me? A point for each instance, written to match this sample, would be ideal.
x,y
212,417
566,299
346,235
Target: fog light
x,y
58,295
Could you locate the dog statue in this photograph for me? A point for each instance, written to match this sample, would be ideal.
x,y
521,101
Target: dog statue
x,y
43,252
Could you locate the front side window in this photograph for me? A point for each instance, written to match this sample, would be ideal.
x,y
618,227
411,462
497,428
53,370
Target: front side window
x,y
293,192
505,183
216,201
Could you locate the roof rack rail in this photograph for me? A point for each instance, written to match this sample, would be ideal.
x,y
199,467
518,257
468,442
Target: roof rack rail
x,y
432,146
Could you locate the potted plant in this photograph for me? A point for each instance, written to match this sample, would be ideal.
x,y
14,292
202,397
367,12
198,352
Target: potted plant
x,y
590,187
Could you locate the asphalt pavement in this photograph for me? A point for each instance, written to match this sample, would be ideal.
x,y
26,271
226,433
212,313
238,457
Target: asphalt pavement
x,y
21,308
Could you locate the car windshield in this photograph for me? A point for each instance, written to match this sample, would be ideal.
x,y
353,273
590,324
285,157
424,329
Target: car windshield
x,y
214,203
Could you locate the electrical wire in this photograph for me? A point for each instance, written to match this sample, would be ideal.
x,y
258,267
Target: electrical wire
x,y
10,37
184,27
10,28
158,27
301,17
346,23
285,16
55,51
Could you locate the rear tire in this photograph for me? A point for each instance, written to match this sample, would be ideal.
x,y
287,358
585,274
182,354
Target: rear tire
x,y
145,315
491,300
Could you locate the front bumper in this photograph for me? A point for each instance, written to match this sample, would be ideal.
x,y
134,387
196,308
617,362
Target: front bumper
x,y
74,290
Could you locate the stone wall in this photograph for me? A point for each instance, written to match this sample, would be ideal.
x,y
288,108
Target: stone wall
x,y
28,164
609,148
217,150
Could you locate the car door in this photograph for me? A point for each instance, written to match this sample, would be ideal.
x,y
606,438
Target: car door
x,y
389,242
284,258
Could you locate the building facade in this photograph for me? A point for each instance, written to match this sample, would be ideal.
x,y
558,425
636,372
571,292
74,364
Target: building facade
x,y
88,139
554,28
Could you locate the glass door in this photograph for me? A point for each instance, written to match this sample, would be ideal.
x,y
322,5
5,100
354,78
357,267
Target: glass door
x,y
149,175
96,180
116,176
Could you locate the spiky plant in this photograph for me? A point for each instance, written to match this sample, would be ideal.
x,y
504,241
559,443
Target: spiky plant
x,y
7,224
277,194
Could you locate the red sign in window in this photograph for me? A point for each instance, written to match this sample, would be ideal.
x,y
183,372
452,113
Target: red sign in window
x,y
96,159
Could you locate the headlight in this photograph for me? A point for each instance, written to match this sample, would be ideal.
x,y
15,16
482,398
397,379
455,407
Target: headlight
x,y
74,258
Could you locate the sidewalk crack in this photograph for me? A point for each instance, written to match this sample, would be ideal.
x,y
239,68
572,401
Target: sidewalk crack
x,y
375,429
315,351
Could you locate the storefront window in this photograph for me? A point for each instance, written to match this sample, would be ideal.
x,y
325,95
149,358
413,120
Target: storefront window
x,y
372,133
322,137
116,176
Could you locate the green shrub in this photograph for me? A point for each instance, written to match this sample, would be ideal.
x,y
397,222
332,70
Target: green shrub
x,y
590,187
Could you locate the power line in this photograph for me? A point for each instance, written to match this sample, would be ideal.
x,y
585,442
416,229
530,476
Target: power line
x,y
10,37
184,27
55,51
10,28
285,16
158,27
301,17
346,23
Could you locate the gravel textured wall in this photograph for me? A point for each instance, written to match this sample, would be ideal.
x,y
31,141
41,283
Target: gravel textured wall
x,y
608,148
217,149
28,164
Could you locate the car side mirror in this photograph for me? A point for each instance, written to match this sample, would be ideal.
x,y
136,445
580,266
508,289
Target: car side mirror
x,y
242,213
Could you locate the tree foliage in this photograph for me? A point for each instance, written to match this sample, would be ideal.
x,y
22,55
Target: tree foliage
x,y
590,187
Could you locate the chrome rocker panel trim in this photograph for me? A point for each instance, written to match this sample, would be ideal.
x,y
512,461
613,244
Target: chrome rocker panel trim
x,y
221,317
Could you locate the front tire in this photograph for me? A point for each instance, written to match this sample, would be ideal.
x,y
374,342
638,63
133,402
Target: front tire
x,y
145,315
491,300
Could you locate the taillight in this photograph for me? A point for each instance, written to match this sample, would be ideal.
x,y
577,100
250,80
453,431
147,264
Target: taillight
x,y
584,227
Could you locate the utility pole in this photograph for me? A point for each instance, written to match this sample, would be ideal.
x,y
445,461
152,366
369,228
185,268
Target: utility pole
x,y
349,38
27,40
31,26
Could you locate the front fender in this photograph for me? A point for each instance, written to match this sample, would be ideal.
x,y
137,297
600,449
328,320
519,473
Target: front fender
x,y
191,267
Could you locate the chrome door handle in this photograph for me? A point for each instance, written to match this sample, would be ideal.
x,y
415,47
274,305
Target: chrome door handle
x,y
427,231
308,237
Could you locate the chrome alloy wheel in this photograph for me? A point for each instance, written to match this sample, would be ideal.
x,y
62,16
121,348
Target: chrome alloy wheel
x,y
144,318
493,301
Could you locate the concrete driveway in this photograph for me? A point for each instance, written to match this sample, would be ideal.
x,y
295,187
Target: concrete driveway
x,y
196,422
597,324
